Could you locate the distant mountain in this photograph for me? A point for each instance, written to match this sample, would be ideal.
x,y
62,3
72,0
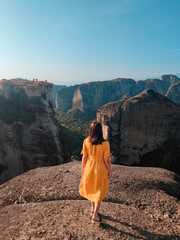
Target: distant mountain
x,y
88,97
54,91
174,92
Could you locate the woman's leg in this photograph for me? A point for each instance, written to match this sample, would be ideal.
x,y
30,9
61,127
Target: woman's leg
x,y
92,207
96,209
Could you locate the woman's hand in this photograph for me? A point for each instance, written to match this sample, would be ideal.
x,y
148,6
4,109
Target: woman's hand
x,y
84,159
108,165
109,174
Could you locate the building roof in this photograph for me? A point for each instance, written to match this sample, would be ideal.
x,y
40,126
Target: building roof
x,y
27,83
3,81
18,83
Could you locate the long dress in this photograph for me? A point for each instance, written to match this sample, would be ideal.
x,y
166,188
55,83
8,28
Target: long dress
x,y
94,181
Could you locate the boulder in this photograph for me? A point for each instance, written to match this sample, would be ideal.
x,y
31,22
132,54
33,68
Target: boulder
x,y
143,130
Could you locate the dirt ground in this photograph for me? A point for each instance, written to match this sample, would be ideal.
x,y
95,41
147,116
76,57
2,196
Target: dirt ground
x,y
44,203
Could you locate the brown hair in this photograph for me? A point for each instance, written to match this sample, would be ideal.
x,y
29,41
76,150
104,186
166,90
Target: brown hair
x,y
95,134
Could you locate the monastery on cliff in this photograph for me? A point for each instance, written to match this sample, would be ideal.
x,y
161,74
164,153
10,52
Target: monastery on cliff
x,y
32,88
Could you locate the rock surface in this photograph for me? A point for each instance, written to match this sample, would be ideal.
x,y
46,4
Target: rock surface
x,y
90,96
44,203
42,143
173,92
53,93
143,130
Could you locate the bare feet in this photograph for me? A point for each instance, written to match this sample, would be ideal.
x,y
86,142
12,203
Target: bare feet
x,y
95,216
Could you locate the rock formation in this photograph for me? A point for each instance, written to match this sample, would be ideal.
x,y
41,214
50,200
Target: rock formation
x,y
174,92
26,144
89,97
53,93
44,203
143,130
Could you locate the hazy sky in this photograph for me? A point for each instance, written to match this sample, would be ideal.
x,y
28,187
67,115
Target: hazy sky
x,y
75,41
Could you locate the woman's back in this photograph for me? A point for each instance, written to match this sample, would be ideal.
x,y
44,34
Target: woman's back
x,y
96,152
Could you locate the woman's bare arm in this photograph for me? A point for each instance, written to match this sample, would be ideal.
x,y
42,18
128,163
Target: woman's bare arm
x,y
84,159
108,165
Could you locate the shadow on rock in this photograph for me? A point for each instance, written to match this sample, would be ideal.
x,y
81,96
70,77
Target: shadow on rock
x,y
143,233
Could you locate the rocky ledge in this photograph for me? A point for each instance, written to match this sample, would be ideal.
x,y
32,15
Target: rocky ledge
x,y
44,203
24,146
174,92
143,130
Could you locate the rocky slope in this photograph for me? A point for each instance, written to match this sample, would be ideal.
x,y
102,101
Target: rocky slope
x,y
53,92
174,92
24,146
89,97
143,130
44,203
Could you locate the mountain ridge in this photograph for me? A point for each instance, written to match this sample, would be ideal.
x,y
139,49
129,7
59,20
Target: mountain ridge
x,y
88,97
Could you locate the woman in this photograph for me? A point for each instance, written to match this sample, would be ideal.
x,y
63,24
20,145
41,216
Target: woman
x,y
96,169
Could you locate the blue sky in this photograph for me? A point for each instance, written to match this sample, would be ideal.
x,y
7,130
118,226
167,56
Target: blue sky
x,y
75,41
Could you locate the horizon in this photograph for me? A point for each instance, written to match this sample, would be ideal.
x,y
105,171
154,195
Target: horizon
x,y
159,78
79,41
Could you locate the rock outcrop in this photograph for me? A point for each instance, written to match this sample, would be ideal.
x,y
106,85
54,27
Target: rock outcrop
x,y
44,203
53,93
143,130
24,146
89,97
173,92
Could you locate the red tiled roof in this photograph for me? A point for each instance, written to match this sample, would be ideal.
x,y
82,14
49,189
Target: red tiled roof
x,y
26,82
3,80
18,83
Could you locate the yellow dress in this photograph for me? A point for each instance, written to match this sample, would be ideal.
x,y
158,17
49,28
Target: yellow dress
x,y
94,181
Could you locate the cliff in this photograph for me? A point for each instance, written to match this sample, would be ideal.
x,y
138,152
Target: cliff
x,y
53,93
143,130
30,137
89,97
173,92
44,203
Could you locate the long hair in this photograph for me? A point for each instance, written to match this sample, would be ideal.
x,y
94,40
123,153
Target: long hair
x,y
95,134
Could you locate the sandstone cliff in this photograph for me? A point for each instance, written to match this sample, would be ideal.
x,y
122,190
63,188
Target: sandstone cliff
x,y
174,92
53,93
30,138
44,203
89,97
143,130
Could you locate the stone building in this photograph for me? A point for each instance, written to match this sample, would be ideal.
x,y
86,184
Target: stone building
x,y
32,88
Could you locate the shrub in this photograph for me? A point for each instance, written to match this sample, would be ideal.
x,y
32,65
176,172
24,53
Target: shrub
x,y
75,125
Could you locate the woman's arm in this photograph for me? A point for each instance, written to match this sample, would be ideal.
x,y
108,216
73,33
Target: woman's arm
x,y
84,159
108,165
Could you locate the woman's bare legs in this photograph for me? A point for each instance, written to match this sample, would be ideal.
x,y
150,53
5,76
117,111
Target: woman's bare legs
x,y
96,209
92,207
